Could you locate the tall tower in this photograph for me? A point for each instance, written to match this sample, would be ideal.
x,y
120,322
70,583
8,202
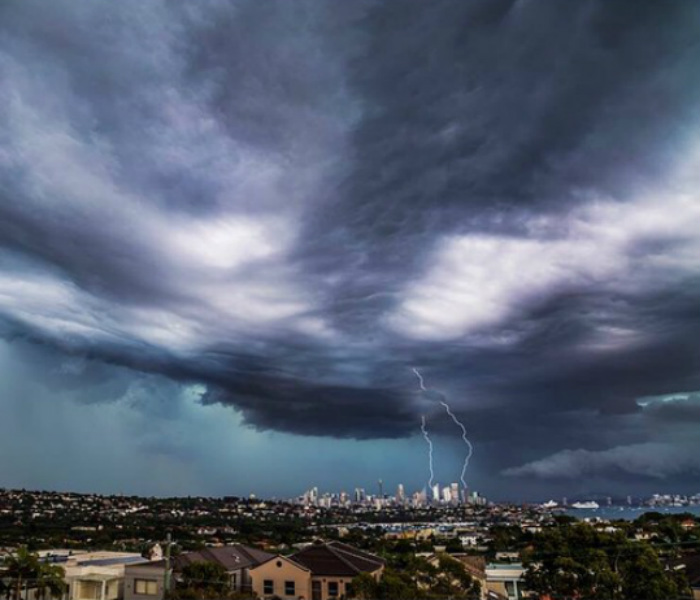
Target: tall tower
x,y
454,493
381,490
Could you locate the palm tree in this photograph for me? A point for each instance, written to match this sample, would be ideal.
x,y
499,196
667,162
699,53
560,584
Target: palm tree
x,y
51,579
24,568
20,568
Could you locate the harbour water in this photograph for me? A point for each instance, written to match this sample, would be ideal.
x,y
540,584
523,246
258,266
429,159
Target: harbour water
x,y
629,513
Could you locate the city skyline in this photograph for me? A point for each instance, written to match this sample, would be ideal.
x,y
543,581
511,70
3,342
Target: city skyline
x,y
248,247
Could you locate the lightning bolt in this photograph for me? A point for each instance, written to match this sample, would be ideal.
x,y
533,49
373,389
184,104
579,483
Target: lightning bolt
x,y
425,435
430,450
470,448
420,379
465,439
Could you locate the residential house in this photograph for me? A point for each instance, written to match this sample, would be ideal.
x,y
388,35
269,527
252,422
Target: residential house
x,y
322,571
97,575
506,579
469,539
237,559
147,581
281,577
688,524
88,575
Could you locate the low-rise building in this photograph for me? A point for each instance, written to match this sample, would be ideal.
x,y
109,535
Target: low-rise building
x,y
97,575
147,581
322,571
281,577
237,559
506,579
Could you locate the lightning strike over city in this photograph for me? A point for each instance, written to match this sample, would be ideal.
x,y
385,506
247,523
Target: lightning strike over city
x,y
430,450
465,439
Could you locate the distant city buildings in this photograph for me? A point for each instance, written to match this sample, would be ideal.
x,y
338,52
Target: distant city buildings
x,y
437,495
400,494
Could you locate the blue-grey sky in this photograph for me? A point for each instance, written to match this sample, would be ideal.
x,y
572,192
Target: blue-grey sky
x,y
229,231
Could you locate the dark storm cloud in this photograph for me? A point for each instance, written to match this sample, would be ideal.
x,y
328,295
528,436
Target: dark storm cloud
x,y
295,204
683,407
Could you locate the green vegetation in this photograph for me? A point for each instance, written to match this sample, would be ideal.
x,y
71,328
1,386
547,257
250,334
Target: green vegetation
x,y
417,578
23,570
579,561
205,581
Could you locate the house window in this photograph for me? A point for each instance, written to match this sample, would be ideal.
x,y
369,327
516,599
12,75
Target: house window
x,y
512,590
90,590
146,587
333,589
316,590
268,587
289,588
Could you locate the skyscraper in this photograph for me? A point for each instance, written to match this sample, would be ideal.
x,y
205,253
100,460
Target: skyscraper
x,y
447,494
359,495
454,493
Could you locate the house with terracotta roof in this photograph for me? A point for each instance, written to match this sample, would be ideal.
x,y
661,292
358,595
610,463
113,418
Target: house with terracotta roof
x,y
237,559
322,571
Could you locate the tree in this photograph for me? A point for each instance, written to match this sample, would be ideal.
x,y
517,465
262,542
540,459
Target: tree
x,y
645,578
581,562
454,546
454,581
202,580
505,537
396,586
51,581
25,569
365,587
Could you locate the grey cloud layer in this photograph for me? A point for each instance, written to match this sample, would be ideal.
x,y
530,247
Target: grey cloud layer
x,y
293,205
650,460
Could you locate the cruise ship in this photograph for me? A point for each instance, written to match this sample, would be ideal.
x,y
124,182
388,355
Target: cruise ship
x,y
590,504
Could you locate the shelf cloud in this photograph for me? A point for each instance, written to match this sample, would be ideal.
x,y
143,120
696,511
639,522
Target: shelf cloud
x,y
293,206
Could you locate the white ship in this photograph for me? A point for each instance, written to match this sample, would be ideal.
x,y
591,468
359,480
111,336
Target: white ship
x,y
590,504
550,504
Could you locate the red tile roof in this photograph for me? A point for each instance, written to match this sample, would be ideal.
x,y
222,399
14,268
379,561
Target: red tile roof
x,y
336,558
232,558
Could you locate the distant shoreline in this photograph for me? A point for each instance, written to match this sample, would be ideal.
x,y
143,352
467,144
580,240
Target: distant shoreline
x,y
629,513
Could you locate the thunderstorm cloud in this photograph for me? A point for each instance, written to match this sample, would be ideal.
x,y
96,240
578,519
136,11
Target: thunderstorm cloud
x,y
278,209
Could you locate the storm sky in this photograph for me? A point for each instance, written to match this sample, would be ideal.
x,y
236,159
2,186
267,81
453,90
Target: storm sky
x,y
229,231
